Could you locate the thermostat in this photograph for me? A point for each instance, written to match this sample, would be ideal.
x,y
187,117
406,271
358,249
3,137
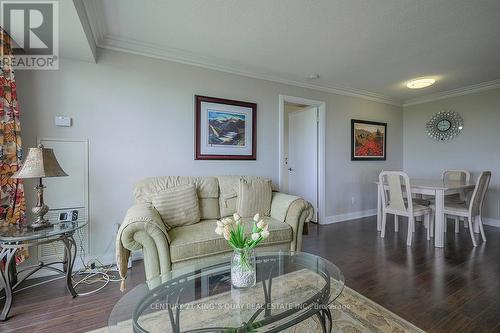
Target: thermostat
x,y
63,121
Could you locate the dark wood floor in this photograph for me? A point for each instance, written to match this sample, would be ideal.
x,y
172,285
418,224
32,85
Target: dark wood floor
x,y
455,289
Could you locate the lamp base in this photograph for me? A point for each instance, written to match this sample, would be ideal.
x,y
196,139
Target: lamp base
x,y
40,224
39,211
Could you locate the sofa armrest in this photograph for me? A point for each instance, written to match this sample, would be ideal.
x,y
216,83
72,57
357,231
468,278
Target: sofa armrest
x,y
294,211
143,229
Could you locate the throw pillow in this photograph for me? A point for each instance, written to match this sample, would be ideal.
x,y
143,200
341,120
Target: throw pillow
x,y
177,206
254,197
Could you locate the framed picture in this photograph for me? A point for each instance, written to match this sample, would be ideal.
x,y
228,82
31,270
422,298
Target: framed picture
x,y
225,129
368,140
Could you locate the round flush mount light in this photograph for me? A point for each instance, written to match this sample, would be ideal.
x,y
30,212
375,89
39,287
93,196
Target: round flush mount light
x,y
314,76
420,83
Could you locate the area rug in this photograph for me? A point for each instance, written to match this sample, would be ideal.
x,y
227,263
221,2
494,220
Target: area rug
x,y
351,313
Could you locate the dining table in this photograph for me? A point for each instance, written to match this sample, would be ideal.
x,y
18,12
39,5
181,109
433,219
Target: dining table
x,y
438,189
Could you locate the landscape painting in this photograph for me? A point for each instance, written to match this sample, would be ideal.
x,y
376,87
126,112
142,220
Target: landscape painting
x,y
226,128
368,140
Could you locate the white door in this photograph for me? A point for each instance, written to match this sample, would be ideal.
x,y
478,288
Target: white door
x,y
303,155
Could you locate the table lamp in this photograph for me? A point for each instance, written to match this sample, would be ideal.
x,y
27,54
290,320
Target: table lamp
x,y
40,163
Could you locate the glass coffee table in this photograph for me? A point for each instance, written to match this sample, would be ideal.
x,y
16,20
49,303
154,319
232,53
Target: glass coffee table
x,y
291,288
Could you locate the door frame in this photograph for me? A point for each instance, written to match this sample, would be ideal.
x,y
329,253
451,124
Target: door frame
x,y
321,177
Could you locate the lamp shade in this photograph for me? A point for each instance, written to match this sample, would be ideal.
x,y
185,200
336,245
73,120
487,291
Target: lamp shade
x,y
40,163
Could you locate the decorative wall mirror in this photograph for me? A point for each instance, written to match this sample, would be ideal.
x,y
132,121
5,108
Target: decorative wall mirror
x,y
444,125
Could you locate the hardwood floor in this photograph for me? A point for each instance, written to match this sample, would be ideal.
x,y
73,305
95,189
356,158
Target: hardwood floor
x,y
455,289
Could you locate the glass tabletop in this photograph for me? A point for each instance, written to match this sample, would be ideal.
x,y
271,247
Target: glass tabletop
x,y
15,233
291,287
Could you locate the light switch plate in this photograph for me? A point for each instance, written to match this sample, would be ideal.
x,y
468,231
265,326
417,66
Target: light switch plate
x,y
63,121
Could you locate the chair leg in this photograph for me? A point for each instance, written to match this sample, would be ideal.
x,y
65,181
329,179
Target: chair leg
x,y
427,222
414,219
433,217
480,221
411,225
445,223
457,225
384,218
396,223
471,231
431,224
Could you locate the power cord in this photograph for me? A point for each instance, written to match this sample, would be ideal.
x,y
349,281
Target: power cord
x,y
94,271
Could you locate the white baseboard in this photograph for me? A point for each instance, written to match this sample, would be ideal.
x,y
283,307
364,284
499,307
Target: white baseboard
x,y
491,222
373,212
350,216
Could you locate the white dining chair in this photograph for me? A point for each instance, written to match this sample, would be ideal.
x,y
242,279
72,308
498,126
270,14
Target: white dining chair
x,y
456,175
394,184
472,210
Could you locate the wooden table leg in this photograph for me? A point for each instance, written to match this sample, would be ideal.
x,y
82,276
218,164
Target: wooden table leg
x,y
439,220
379,208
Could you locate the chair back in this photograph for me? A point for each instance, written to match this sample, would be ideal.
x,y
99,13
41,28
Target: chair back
x,y
456,175
477,199
396,182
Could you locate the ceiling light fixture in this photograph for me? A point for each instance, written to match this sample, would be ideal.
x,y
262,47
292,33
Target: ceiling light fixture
x,y
420,83
314,76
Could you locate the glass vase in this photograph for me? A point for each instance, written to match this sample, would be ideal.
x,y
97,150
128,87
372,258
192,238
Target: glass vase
x,y
243,271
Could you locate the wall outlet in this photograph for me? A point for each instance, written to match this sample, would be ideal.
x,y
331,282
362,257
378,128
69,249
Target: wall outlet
x,y
353,200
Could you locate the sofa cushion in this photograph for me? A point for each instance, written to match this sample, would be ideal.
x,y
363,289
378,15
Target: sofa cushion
x,y
254,197
200,239
229,188
207,189
177,206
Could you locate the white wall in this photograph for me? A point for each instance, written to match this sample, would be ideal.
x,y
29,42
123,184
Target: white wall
x,y
475,149
138,114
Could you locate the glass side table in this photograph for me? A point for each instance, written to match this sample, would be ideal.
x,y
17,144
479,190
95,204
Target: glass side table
x,y
13,237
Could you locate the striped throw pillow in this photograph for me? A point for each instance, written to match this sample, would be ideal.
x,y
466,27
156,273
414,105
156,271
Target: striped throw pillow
x,y
254,197
177,206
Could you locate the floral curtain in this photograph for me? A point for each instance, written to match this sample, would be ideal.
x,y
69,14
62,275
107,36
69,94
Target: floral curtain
x,y
12,203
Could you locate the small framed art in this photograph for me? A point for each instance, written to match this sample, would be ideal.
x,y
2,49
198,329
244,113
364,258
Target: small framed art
x,y
225,129
368,140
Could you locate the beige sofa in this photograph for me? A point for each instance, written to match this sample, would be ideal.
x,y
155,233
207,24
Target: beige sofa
x,y
143,228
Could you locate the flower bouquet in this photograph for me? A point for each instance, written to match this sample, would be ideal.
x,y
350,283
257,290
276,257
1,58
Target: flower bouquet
x,y
243,261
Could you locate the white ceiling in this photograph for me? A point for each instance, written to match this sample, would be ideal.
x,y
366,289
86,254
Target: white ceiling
x,y
362,47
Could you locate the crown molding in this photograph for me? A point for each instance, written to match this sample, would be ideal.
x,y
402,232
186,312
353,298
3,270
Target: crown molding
x,y
454,93
107,41
116,43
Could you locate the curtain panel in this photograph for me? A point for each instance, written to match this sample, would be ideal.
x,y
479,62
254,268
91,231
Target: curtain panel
x,y
12,202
